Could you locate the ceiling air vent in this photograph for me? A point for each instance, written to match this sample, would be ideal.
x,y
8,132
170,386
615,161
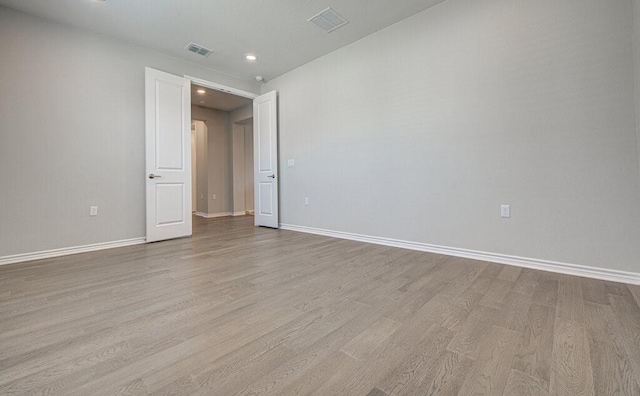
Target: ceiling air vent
x,y
328,20
198,49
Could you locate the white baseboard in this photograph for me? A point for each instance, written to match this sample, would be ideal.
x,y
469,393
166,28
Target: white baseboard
x,y
239,213
18,258
213,215
544,265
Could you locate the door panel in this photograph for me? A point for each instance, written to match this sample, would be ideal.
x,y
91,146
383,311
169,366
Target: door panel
x,y
169,126
265,137
265,146
169,200
266,198
168,159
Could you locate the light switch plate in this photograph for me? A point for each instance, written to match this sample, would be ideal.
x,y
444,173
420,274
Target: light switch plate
x,y
291,163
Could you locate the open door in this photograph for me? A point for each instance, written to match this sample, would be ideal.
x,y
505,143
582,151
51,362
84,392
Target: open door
x,y
265,148
168,155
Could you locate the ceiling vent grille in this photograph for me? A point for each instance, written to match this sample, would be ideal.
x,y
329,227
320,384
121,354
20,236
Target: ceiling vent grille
x,y
328,20
198,49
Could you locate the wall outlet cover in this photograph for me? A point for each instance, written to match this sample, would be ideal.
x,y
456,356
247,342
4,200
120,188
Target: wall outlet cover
x,y
505,211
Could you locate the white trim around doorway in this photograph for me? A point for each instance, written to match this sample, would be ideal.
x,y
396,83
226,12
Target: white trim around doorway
x,y
220,87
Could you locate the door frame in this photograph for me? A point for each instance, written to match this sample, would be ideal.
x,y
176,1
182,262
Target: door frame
x,y
220,87
226,89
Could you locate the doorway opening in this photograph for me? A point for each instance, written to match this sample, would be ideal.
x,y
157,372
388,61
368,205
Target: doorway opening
x,y
222,153
168,147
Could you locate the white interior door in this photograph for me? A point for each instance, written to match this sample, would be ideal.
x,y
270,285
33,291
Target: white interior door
x,y
168,155
265,148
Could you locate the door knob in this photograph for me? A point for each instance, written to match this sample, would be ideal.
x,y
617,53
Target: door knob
x,y
152,176
272,176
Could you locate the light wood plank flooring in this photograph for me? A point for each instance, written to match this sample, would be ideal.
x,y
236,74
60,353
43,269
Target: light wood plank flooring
x,y
251,311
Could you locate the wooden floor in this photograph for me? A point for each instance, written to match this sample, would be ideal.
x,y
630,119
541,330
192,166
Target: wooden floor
x,y
242,310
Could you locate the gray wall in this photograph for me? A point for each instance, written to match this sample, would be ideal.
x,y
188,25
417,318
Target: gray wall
x,y
72,134
219,169
202,165
636,63
242,114
242,127
420,131
237,136
221,166
248,166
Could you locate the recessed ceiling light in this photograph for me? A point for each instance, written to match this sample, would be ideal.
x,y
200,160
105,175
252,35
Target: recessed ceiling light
x,y
251,57
201,91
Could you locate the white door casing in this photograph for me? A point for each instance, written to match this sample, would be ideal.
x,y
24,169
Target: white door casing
x,y
194,168
265,148
168,155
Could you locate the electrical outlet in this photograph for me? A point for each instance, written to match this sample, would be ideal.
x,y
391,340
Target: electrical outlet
x,y
505,211
201,197
306,202
214,196
93,211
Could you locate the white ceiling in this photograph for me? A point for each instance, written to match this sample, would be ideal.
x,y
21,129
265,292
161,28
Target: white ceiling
x,y
217,99
276,30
